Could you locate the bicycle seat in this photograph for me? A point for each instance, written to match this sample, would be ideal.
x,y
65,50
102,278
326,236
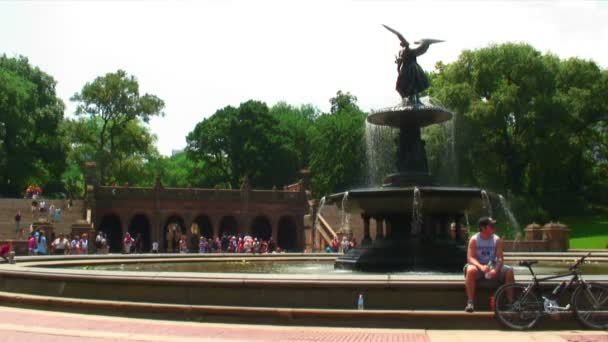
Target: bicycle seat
x,y
528,263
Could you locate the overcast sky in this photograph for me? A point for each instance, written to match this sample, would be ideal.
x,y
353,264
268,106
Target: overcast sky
x,y
199,56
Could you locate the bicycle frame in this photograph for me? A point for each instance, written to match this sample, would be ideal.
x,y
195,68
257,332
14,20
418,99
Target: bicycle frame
x,y
575,279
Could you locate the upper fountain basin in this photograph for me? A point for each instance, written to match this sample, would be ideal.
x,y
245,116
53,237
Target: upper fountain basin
x,y
404,115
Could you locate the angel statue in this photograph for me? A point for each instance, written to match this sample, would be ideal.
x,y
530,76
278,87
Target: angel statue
x,y
411,80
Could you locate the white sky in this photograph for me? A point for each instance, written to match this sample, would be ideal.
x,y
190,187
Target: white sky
x,y
199,56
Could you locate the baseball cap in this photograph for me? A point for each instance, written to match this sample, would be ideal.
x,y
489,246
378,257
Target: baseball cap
x,y
486,220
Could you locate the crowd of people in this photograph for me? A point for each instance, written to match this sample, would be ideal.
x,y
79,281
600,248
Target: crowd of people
x,y
63,244
202,244
337,246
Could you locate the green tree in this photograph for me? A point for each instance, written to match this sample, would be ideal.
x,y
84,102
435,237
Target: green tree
x,y
244,141
31,149
523,120
133,149
295,123
179,170
338,153
113,102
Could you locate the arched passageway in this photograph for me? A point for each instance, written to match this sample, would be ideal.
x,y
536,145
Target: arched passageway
x,y
112,228
205,228
140,228
228,226
287,236
261,228
173,230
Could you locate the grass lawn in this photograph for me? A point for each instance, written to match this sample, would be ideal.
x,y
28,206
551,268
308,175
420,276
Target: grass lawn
x,y
588,232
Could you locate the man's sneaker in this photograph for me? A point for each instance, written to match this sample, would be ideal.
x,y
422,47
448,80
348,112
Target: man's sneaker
x,y
469,307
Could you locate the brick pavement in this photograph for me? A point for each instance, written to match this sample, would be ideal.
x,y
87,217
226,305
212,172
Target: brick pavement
x,y
35,325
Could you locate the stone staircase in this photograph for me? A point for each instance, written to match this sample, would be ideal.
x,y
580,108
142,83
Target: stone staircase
x,y
9,207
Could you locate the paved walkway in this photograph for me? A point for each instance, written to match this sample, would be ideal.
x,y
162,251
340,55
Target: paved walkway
x,y
34,325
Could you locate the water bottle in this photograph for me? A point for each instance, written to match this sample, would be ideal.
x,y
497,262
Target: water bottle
x,y
491,267
360,302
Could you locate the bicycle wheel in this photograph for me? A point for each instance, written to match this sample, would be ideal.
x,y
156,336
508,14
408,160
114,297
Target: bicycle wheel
x,y
590,302
517,306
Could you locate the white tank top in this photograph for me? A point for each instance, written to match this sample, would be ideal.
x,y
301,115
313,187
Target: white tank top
x,y
486,249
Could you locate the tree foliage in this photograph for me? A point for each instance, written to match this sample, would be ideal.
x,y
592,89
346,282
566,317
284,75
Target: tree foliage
x,y
244,141
113,103
132,159
31,149
337,138
525,120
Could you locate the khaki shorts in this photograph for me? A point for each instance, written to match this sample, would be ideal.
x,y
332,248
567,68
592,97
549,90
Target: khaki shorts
x,y
501,274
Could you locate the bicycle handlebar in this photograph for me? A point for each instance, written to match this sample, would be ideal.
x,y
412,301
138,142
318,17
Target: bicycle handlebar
x,y
579,262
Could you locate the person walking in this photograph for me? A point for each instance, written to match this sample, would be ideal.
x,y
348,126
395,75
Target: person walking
x,y
18,232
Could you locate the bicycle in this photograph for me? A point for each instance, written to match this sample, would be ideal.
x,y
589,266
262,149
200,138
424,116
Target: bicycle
x,y
521,306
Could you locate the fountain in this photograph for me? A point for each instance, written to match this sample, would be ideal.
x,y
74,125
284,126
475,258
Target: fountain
x,y
412,211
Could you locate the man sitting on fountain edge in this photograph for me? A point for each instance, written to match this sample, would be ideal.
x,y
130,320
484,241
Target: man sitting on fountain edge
x,y
485,259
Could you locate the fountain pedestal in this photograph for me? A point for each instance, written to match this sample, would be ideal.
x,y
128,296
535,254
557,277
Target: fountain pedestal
x,y
413,213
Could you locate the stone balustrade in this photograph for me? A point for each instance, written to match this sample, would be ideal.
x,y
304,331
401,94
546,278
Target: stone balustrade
x,y
196,194
552,237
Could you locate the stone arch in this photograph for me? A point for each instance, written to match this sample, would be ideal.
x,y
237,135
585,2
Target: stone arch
x,y
261,228
140,229
174,223
205,227
228,226
287,238
112,228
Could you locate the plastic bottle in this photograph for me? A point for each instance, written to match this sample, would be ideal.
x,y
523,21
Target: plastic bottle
x,y
491,266
360,302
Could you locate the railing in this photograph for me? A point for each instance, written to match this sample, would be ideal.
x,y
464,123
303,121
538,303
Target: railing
x,y
325,230
197,194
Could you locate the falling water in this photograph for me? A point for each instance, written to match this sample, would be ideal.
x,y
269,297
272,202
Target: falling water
x,y
442,151
416,212
485,201
380,151
452,150
345,214
319,209
509,214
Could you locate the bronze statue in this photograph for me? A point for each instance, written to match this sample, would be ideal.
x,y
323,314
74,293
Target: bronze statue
x,y
411,80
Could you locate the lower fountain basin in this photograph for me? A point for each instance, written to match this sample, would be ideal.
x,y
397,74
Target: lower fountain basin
x,y
435,199
75,283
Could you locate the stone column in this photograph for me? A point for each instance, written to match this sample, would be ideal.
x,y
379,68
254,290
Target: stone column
x,y
379,228
300,234
215,226
456,229
367,239
275,228
158,234
388,227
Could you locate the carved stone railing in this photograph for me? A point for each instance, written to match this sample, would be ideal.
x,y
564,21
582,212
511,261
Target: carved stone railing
x,y
122,192
197,194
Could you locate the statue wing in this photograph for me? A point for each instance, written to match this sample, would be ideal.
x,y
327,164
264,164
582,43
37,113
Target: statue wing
x,y
401,38
424,45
